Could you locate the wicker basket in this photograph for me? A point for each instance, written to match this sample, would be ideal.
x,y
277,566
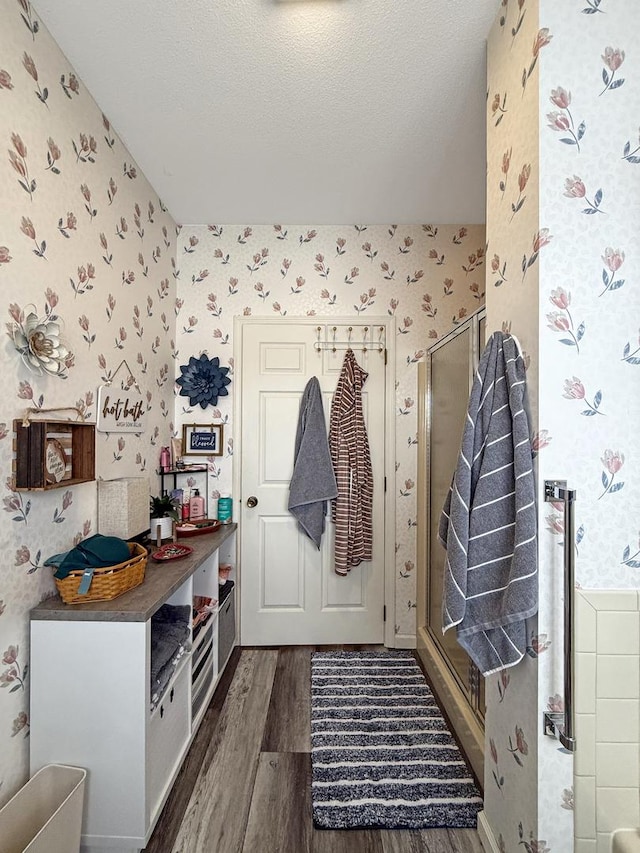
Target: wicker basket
x,y
108,582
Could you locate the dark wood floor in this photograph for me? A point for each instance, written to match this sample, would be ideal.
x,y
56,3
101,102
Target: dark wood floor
x,y
245,786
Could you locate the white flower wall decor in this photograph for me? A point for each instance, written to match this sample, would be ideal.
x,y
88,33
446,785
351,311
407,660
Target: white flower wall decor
x,y
38,341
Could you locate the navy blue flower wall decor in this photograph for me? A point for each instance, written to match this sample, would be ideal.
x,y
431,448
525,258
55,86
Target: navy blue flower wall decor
x,y
203,381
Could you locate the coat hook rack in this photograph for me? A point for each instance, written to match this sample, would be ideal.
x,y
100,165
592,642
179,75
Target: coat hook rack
x,y
334,343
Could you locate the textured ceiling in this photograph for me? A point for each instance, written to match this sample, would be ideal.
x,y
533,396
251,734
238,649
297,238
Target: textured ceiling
x,y
298,111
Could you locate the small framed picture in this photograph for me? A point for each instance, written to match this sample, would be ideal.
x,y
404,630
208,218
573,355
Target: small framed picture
x,y
202,439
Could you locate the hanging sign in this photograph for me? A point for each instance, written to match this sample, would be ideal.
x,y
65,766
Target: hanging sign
x,y
55,462
120,410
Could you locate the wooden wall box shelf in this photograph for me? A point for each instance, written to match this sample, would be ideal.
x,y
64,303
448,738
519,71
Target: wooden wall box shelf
x,y
77,441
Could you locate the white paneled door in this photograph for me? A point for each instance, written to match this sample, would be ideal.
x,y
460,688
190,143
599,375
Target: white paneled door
x,y
290,592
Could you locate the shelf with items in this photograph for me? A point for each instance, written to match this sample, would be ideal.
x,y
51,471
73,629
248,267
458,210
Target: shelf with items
x,y
205,626
170,642
201,639
204,670
52,454
205,610
175,473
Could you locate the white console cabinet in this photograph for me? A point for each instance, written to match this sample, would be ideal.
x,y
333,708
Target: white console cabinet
x,y
91,699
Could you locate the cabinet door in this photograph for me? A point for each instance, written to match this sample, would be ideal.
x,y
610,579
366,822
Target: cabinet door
x,y
168,735
89,711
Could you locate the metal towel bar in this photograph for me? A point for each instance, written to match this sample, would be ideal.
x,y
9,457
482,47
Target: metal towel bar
x,y
562,723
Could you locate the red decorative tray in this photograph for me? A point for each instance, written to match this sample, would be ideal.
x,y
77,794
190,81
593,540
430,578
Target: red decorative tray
x,y
205,525
171,551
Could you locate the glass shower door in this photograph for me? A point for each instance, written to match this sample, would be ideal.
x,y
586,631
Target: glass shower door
x,y
448,400
451,365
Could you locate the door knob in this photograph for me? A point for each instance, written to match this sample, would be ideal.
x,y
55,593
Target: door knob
x,y
252,501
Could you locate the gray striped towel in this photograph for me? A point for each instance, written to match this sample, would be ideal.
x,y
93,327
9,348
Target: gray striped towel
x,y
488,524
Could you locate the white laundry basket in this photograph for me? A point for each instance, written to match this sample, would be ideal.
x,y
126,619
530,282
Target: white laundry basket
x,y
45,816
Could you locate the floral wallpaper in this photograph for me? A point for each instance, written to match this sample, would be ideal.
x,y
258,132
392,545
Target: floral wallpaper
x,y
87,247
427,277
589,190
579,109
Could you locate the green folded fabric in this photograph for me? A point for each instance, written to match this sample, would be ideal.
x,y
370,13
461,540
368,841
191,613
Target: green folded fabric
x,y
95,552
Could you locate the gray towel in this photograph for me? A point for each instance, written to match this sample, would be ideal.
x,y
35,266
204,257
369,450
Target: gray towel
x,y
169,641
488,524
313,482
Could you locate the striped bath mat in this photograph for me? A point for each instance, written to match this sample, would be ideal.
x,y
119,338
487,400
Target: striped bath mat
x,y
382,755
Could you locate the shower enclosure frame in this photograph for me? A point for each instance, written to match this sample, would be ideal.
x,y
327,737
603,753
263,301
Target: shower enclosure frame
x,y
461,698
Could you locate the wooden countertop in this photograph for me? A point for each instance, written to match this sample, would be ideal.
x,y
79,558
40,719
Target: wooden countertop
x,y
161,580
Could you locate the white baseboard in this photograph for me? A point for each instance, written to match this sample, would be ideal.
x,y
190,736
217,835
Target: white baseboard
x,y
486,835
405,641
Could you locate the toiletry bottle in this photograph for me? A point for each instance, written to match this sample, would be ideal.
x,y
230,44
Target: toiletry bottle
x,y
196,506
185,505
225,508
165,459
